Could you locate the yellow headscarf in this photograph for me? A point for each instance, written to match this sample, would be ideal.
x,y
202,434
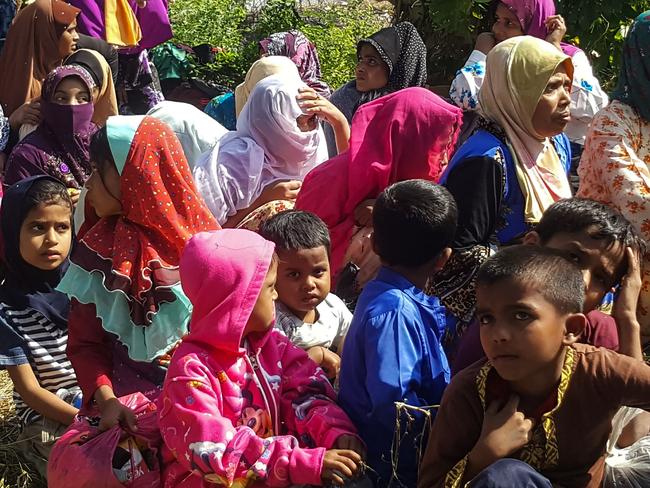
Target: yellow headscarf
x,y
517,73
262,68
121,25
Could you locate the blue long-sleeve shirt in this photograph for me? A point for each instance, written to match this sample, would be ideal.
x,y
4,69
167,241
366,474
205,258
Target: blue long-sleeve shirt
x,y
392,353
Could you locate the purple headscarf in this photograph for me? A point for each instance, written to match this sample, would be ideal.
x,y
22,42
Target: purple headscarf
x,y
153,20
59,146
532,14
295,46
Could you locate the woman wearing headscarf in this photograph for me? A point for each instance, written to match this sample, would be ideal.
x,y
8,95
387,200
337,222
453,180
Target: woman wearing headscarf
x,y
128,310
535,18
512,168
42,35
59,145
226,108
104,100
196,131
134,26
405,135
302,52
614,166
275,142
392,59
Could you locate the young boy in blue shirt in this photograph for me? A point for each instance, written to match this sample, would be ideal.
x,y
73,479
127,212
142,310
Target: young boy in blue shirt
x,y
392,351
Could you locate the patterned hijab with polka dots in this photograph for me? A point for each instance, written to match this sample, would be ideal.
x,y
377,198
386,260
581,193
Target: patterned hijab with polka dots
x,y
128,263
404,52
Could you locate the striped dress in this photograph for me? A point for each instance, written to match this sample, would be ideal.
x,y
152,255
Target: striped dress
x,y
43,348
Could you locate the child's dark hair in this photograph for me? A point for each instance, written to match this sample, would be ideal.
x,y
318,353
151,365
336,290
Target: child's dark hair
x,y
47,191
547,270
414,221
100,149
294,230
600,221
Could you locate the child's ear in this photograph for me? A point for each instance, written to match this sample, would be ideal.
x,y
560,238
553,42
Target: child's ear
x,y
532,239
442,259
574,326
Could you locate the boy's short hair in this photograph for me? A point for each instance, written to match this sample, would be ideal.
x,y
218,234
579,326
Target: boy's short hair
x,y
414,221
559,280
293,230
601,221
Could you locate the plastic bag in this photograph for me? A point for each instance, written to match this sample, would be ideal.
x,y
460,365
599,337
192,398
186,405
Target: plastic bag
x,y
629,467
84,457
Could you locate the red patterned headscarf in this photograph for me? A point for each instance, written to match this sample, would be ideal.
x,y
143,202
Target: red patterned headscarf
x,y
135,255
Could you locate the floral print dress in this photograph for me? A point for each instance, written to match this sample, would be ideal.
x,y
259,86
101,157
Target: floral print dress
x,y
614,170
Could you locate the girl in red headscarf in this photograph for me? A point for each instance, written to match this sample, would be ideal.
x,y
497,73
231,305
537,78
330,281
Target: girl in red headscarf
x,y
127,306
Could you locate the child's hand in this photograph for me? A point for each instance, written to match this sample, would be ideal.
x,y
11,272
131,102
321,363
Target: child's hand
x,y
628,297
329,362
113,413
340,465
504,432
351,443
625,305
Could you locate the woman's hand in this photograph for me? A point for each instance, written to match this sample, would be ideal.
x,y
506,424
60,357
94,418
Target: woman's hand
x,y
556,29
113,413
313,103
363,213
485,42
27,113
141,3
282,190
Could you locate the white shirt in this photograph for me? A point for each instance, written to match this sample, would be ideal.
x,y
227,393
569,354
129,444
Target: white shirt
x,y
332,324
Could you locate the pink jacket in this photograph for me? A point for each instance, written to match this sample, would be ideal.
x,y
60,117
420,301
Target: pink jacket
x,y
235,412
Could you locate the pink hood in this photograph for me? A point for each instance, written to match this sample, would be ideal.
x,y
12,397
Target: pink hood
x,y
222,274
259,415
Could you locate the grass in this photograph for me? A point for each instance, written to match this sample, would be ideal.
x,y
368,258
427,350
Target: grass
x,y
14,473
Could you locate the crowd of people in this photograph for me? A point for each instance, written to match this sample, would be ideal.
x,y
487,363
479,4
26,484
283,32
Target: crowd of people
x,y
364,286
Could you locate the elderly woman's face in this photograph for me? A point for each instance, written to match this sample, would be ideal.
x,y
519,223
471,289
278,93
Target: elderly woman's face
x,y
552,113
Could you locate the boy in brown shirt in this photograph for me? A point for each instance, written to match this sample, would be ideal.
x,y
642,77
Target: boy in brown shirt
x,y
538,411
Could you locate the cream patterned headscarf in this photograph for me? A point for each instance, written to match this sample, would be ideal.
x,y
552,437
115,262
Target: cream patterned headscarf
x,y
518,71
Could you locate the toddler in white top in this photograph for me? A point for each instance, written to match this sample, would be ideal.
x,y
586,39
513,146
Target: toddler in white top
x,y
313,318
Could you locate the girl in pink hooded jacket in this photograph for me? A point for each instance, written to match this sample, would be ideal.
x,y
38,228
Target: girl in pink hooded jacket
x,y
241,406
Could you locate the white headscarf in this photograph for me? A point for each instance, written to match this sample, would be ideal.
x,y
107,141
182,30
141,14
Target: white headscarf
x,y
196,131
266,66
267,147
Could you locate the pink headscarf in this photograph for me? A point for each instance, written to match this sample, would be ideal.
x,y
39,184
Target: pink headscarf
x,y
532,14
406,135
222,274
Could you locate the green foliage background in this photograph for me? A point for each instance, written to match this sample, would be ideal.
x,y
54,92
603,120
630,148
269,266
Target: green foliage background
x,y
448,28
334,29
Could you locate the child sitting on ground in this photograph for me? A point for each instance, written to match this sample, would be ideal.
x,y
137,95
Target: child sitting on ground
x,y
241,405
312,318
392,351
606,247
36,221
518,419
